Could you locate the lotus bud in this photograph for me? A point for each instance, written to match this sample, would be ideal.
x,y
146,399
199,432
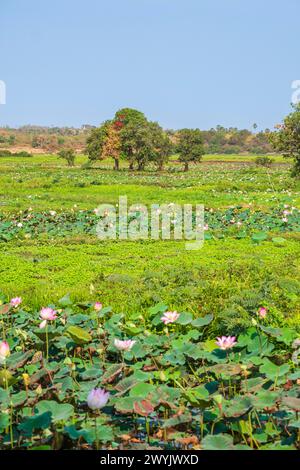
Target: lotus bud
x,y
4,351
97,398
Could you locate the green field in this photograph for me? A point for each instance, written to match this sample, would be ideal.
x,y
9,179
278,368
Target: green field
x,y
231,276
44,183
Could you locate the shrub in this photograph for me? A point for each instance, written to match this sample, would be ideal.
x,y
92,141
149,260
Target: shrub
x,y
8,153
5,153
264,161
68,155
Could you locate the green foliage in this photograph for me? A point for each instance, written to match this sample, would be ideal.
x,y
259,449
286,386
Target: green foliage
x,y
244,398
8,153
136,142
68,155
78,335
287,138
95,142
264,161
59,411
131,136
174,376
190,146
257,224
162,146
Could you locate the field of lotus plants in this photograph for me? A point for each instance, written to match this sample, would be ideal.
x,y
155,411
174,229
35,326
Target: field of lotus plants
x,y
81,376
236,221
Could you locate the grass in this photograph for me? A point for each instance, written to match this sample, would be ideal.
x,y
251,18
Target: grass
x,y
44,182
241,158
132,276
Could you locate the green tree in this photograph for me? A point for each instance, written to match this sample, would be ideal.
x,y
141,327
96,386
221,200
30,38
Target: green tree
x,y
12,139
137,144
162,145
190,146
130,135
128,116
131,124
286,139
68,155
96,140
116,137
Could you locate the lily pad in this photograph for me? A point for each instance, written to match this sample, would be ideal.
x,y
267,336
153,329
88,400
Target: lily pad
x,y
78,335
59,411
217,442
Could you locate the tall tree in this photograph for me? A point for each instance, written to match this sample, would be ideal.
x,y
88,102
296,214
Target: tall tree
x,y
112,145
162,145
128,116
130,122
287,138
131,135
137,144
96,140
190,146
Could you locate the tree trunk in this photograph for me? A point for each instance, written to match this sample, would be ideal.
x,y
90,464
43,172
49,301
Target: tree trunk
x,y
160,166
186,166
140,166
131,166
117,164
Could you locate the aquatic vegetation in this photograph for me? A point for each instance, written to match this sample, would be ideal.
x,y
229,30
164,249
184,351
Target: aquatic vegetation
x,y
181,388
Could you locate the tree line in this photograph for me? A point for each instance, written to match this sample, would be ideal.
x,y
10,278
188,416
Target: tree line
x,y
132,137
218,140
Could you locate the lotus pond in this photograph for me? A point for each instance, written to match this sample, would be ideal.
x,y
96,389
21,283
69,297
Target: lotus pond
x,y
236,221
81,376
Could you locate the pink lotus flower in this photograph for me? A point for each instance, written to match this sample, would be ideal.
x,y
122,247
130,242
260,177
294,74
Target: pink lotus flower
x,y
169,317
262,312
226,342
4,351
47,314
124,345
15,302
97,306
97,398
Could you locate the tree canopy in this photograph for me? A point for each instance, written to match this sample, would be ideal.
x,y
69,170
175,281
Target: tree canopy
x,y
190,146
129,135
287,138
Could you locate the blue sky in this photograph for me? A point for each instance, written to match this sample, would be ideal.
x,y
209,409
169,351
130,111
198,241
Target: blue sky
x,y
184,63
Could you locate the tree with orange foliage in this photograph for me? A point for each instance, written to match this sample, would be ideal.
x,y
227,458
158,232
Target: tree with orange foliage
x,y
112,145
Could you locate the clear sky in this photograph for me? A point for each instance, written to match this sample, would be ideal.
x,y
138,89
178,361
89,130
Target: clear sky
x,y
184,63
